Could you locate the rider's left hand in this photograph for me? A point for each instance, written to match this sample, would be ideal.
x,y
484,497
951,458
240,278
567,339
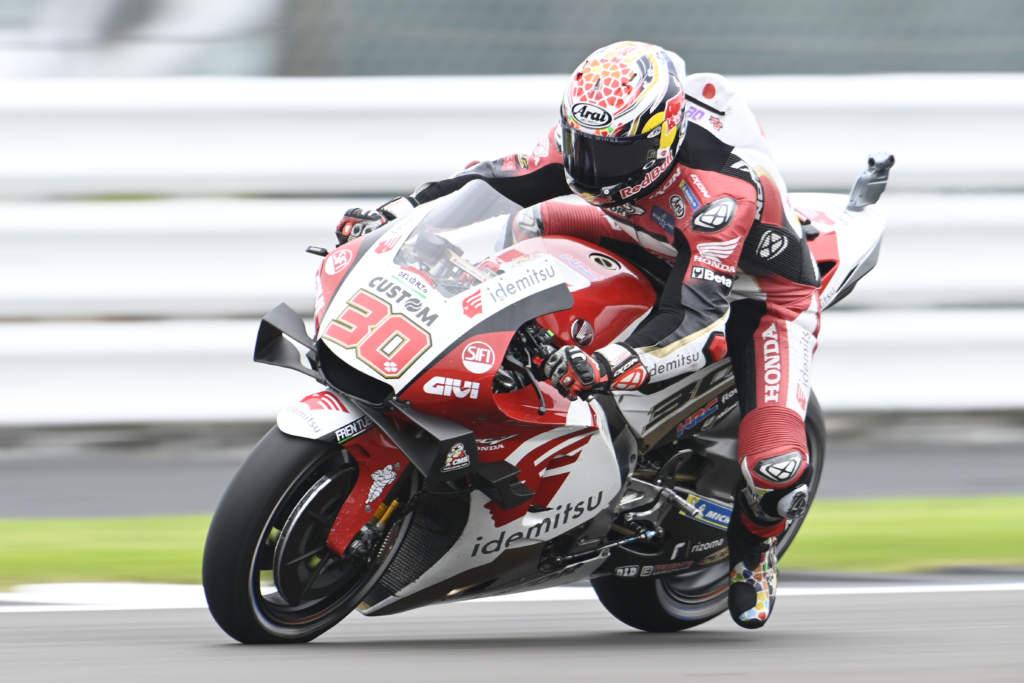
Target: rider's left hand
x,y
572,370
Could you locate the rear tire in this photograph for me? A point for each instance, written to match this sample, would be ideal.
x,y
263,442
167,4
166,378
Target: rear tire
x,y
267,573
663,605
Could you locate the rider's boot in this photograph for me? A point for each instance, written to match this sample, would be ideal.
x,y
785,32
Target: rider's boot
x,y
752,577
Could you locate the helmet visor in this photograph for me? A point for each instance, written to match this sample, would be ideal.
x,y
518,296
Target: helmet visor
x,y
595,161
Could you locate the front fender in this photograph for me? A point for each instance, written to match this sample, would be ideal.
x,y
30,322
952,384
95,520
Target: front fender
x,y
324,416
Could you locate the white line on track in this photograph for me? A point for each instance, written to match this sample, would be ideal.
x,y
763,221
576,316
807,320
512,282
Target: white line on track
x,y
102,597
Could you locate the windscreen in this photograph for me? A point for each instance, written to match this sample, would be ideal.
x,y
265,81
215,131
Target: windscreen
x,y
455,236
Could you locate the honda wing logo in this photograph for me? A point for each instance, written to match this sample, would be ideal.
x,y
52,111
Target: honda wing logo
x,y
771,245
718,251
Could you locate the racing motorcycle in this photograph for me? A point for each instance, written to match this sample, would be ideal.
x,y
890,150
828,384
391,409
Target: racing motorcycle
x,y
436,464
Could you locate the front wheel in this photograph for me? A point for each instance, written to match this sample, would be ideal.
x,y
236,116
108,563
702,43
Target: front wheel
x,y
267,572
682,601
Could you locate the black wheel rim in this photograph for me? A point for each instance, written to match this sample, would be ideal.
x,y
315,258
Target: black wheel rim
x,y
296,584
701,594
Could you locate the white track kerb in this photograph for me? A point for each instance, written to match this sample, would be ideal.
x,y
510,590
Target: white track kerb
x,y
106,597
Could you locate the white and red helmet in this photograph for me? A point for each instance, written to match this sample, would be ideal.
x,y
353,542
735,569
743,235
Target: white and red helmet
x,y
622,121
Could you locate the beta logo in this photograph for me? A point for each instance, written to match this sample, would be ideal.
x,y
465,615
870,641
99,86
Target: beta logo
x,y
478,357
455,388
702,273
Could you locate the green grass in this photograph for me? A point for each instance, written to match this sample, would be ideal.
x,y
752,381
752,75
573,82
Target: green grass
x,y
910,534
894,535
156,549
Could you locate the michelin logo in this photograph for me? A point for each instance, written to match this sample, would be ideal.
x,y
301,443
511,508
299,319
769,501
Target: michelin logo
x,y
712,513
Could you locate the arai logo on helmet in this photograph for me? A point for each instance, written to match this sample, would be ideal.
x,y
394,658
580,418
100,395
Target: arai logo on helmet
x,y
589,116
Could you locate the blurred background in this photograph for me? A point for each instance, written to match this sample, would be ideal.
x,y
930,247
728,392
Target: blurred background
x,y
163,164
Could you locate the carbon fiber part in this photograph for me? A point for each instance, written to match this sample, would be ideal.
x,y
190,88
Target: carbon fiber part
x,y
438,519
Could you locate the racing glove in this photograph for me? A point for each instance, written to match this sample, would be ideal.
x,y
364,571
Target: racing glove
x,y
572,370
357,222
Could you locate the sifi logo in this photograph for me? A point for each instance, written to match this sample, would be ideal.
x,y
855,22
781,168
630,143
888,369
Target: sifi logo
x,y
473,305
478,357
589,116
447,386
772,363
337,261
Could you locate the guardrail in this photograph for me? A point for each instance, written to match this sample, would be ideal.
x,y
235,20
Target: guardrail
x,y
232,257
369,135
201,370
920,333
144,310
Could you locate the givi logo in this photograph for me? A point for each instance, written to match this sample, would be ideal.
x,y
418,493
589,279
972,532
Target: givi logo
x,y
478,357
447,386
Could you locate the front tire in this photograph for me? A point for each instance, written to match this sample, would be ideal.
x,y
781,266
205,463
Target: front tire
x,y
267,573
682,601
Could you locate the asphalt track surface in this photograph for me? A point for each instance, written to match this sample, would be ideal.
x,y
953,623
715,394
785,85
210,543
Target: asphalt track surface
x,y
173,469
907,637
946,636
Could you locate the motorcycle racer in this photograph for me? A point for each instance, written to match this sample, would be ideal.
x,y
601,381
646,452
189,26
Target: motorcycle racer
x,y
673,174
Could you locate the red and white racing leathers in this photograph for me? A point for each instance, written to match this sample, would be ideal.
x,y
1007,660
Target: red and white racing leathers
x,y
718,232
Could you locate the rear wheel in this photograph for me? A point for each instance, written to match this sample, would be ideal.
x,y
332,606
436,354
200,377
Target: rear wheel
x,y
681,601
267,572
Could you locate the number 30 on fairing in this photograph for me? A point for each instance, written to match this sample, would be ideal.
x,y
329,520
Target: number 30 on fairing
x,y
388,342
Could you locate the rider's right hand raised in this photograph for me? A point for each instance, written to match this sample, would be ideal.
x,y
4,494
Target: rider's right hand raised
x,y
357,222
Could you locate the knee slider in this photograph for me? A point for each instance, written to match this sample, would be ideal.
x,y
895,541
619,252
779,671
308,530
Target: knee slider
x,y
788,502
